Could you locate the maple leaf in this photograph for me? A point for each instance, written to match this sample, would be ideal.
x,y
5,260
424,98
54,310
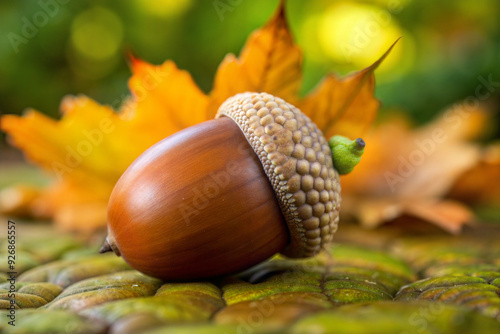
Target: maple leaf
x,y
479,184
407,173
92,145
344,106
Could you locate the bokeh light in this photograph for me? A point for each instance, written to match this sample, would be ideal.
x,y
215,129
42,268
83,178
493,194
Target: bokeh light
x,y
96,37
97,33
164,8
445,47
357,34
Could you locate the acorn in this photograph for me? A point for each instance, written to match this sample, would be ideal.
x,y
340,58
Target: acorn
x,y
223,195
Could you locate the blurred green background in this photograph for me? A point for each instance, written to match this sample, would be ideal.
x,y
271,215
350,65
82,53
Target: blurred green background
x,y
50,48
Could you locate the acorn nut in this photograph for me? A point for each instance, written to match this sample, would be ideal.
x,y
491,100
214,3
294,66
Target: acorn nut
x,y
226,194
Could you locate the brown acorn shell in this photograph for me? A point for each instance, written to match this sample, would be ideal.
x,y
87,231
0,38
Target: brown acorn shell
x,y
195,205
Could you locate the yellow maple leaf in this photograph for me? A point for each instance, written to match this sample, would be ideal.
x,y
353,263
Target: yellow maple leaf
x,y
92,145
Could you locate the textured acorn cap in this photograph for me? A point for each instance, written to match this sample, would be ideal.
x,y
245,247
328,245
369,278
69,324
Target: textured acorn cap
x,y
298,162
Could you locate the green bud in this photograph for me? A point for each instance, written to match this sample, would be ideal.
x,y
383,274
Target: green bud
x,y
346,153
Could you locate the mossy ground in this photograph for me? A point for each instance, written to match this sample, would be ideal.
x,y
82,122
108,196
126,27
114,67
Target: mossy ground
x,y
383,281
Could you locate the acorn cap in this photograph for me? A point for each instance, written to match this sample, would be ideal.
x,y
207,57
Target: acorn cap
x,y
298,162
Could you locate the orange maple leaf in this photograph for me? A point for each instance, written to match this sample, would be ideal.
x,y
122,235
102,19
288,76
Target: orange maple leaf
x,y
91,146
406,173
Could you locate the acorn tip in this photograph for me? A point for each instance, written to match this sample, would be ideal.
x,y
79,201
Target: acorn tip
x,y
360,143
106,247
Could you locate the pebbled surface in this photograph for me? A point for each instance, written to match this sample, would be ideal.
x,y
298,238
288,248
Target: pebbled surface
x,y
382,281
297,159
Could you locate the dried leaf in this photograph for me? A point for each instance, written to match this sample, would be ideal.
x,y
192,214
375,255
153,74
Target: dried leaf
x,y
79,150
449,215
344,106
405,172
91,146
477,184
86,150
166,100
15,199
270,62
